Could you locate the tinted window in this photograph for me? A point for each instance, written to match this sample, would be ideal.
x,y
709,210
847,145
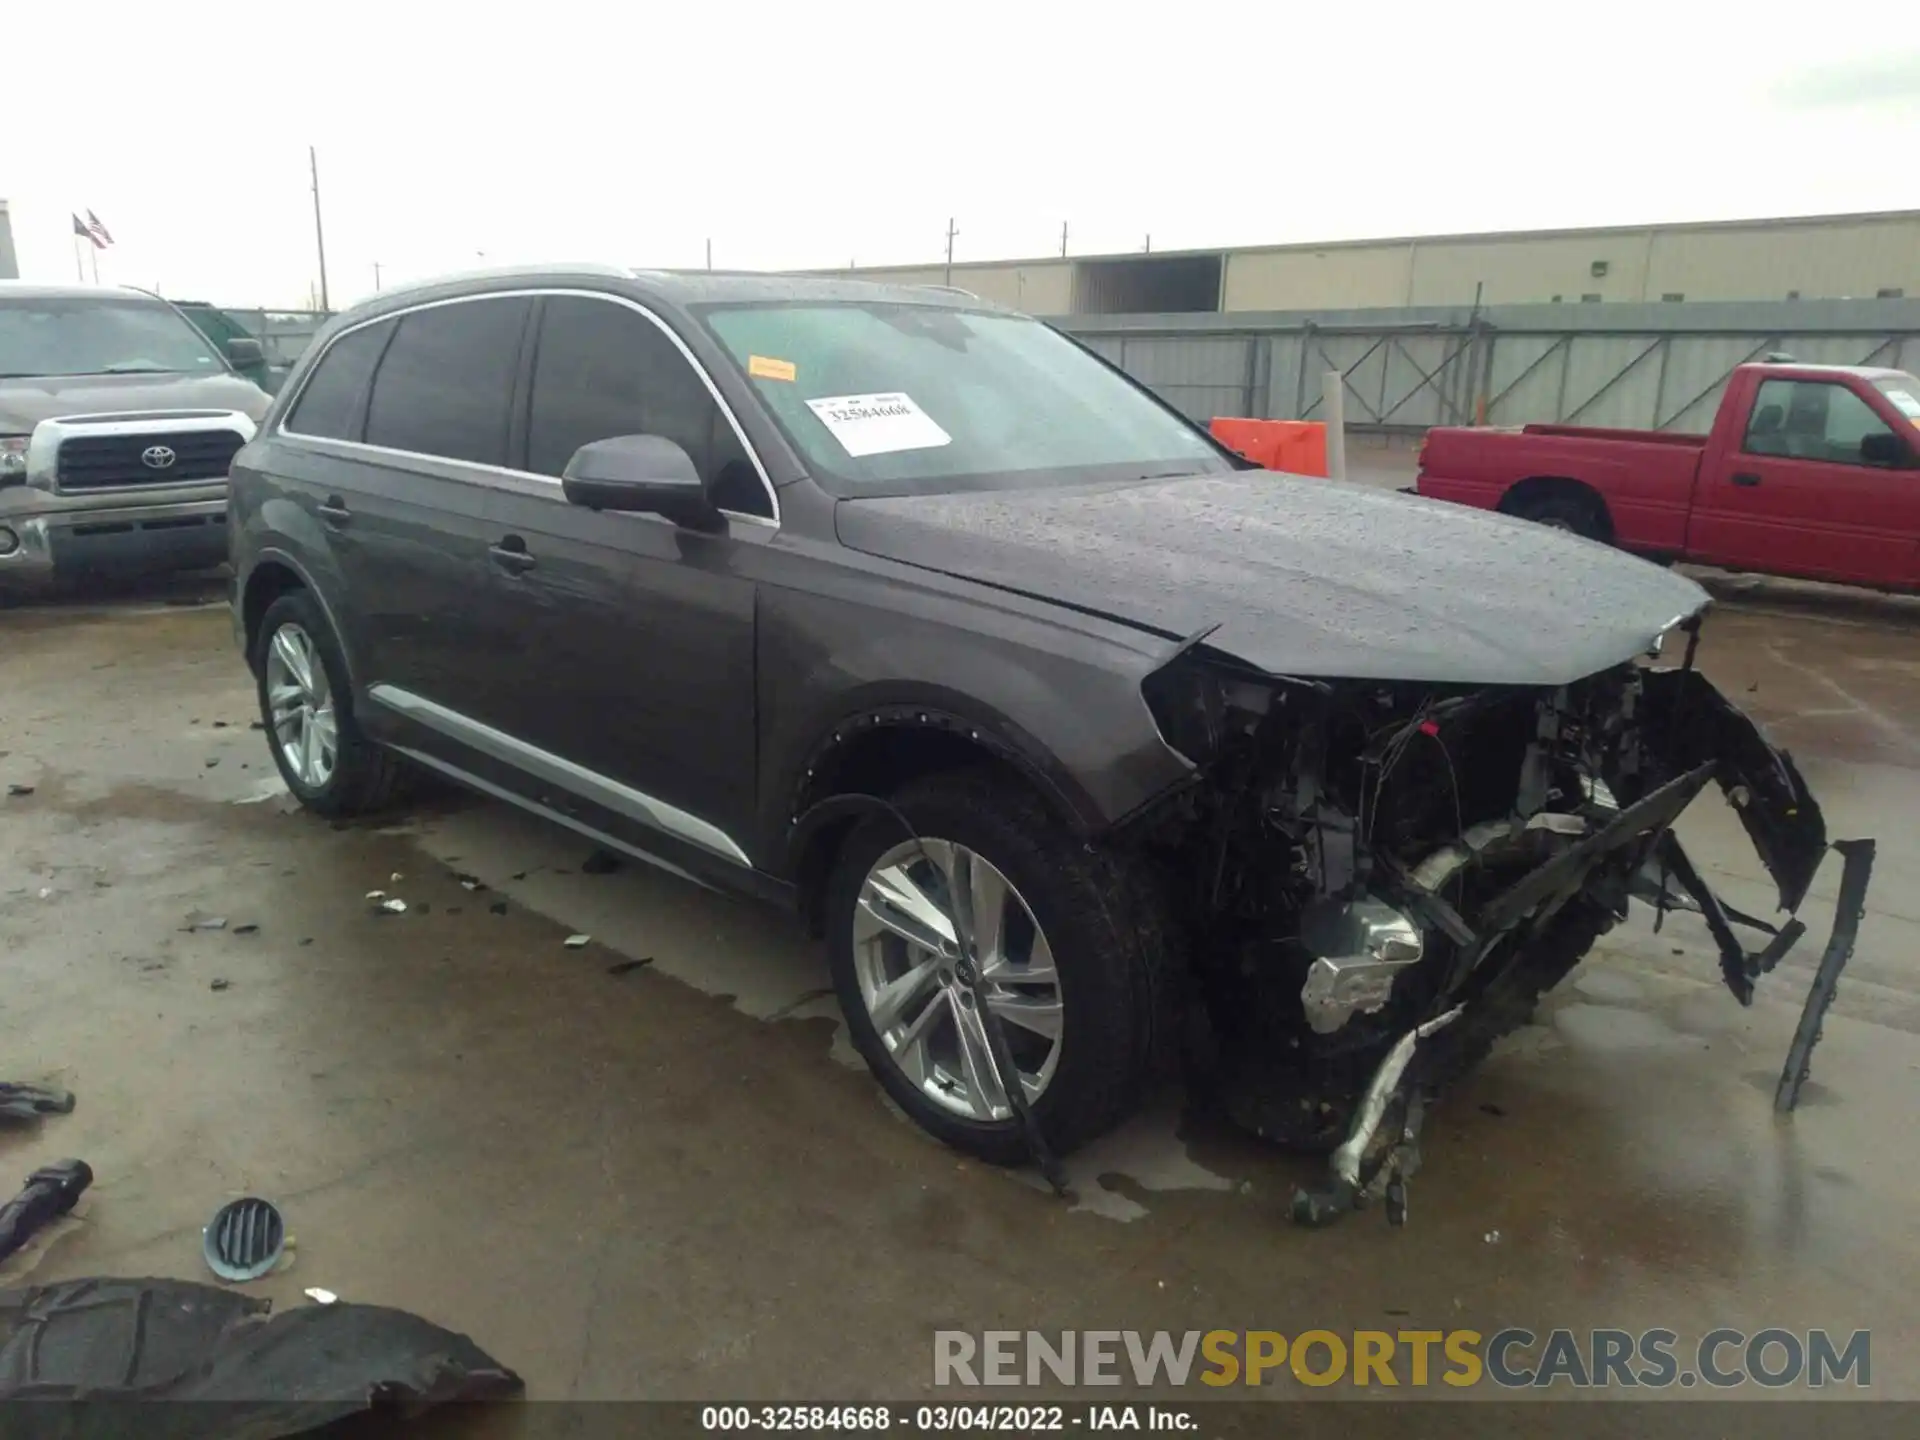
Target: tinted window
x,y
603,369
330,404
444,386
1811,420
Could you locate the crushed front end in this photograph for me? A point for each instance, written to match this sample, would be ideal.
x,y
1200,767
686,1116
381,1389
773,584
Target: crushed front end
x,y
1381,878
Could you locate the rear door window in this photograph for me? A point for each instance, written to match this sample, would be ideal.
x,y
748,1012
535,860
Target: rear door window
x,y
603,369
333,403
445,384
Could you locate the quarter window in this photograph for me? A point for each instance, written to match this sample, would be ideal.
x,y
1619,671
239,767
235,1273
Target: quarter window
x,y
332,403
1811,420
447,379
603,369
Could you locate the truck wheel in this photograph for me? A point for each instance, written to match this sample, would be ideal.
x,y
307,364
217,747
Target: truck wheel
x,y
306,707
1563,511
1068,960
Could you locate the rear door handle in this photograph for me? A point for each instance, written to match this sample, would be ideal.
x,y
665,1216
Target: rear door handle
x,y
511,555
335,511
1747,479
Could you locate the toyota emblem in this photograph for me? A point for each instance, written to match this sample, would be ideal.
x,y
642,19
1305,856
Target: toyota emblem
x,y
157,457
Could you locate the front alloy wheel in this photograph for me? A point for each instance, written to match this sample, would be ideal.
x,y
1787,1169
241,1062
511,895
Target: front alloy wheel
x,y
917,979
962,899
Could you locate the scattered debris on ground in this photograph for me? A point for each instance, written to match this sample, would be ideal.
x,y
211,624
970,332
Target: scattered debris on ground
x,y
220,985
247,929
319,1296
175,1340
577,942
22,1101
49,1193
244,1240
204,922
627,967
16,791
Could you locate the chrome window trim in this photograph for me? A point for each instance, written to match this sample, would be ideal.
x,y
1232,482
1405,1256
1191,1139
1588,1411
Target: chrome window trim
x,y
636,805
43,448
537,292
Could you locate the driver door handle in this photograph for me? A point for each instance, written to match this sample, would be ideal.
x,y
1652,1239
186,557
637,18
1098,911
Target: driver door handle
x,y
1746,478
335,512
510,555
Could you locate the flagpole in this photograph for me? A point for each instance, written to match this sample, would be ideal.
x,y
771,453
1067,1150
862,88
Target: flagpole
x,y
96,264
319,235
79,265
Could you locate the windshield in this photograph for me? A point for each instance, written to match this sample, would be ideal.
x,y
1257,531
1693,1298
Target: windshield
x,y
1904,391
85,336
891,399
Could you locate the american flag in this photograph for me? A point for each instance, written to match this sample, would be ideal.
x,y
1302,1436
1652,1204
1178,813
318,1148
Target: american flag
x,y
93,230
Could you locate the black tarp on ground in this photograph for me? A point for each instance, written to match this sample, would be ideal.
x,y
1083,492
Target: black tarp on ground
x,y
252,1376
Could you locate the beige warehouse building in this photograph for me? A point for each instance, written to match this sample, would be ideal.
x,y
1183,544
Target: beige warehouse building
x,y
1815,257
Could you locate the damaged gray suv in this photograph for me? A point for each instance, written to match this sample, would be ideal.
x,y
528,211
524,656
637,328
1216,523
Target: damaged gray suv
x,y
1085,744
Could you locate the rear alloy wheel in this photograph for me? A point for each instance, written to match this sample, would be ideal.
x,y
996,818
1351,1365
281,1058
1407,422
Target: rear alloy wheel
x,y
306,708
301,721
1068,956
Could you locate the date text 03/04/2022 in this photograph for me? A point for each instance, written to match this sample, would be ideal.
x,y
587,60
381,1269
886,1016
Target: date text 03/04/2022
x,y
947,1419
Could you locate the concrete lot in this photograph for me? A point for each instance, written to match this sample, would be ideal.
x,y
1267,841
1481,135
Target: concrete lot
x,y
669,1181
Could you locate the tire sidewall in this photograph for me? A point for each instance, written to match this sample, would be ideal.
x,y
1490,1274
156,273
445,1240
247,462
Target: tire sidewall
x,y
1577,515
1096,998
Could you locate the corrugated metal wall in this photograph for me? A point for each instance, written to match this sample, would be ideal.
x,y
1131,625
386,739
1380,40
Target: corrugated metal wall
x,y
1819,257
1643,366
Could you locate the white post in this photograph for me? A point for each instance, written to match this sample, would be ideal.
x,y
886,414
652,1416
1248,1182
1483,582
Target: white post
x,y
1333,392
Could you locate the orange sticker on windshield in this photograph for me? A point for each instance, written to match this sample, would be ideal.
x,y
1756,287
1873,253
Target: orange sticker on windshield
x,y
760,367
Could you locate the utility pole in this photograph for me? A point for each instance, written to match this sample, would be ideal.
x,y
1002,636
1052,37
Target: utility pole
x,y
319,234
951,232
1063,239
709,252
376,275
1149,244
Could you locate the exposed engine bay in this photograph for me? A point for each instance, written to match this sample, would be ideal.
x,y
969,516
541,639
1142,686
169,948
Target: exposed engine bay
x,y
1380,879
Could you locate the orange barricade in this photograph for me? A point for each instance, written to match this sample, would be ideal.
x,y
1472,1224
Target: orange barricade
x,y
1299,447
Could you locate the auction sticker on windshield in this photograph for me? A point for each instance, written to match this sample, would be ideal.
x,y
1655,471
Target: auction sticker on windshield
x,y
878,424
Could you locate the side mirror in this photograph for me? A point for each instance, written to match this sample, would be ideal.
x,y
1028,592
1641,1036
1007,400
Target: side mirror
x,y
1883,447
643,474
244,350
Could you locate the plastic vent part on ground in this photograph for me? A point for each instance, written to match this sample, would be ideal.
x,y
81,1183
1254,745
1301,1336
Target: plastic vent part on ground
x,y
244,1239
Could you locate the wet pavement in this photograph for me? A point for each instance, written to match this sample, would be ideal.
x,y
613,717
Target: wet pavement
x,y
666,1178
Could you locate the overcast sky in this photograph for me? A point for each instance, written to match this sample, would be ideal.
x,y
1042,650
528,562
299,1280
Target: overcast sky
x,y
811,133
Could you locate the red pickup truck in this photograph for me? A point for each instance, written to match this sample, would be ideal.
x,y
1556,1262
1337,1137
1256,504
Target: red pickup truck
x,y
1809,470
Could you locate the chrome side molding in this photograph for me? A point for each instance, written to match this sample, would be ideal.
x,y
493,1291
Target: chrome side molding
x,y
635,805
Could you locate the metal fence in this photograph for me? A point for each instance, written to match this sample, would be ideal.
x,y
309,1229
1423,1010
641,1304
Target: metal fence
x,y
1657,367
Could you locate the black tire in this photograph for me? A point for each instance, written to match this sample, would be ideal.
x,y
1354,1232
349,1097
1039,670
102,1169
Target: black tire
x,y
1111,945
1564,510
366,777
